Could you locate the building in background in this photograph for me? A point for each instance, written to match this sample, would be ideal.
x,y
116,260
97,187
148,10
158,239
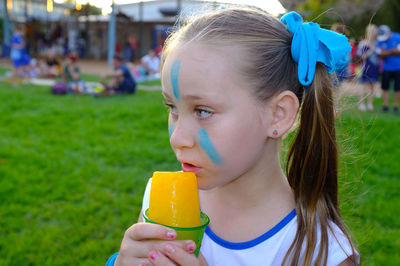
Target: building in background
x,y
140,26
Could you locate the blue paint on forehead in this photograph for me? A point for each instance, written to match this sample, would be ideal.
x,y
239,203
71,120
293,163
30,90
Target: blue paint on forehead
x,y
170,130
207,145
175,68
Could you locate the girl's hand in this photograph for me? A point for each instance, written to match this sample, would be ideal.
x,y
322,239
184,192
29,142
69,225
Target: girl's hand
x,y
142,238
175,255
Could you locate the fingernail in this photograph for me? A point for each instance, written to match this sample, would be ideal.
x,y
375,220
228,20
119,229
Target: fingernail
x,y
191,247
153,255
170,248
171,234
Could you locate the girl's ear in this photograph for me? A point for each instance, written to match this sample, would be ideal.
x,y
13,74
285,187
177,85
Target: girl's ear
x,y
284,111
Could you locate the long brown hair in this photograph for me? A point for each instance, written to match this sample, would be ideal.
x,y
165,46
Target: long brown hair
x,y
268,68
312,171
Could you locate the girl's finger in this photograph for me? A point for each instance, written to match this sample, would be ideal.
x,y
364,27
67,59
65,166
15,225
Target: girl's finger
x,y
131,261
157,258
141,231
142,250
182,256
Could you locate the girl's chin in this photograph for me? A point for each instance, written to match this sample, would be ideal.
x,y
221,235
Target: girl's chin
x,y
205,183
204,186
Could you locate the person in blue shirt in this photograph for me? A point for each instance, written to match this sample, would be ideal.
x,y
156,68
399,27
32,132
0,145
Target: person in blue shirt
x,y
121,79
388,48
370,66
18,54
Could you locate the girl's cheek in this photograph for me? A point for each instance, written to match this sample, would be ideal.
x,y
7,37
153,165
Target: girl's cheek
x,y
171,130
208,147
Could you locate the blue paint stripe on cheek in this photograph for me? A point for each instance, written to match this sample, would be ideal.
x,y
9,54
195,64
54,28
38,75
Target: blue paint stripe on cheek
x,y
207,145
175,68
171,130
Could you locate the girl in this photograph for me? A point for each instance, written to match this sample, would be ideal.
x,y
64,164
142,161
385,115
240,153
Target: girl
x,y
72,74
370,71
234,81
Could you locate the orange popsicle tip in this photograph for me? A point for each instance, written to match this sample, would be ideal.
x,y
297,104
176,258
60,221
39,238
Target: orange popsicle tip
x,y
174,199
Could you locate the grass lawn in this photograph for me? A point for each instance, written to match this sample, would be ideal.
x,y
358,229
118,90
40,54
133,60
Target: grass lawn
x,y
73,169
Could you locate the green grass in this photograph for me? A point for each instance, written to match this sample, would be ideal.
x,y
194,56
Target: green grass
x,y
3,70
88,77
370,183
151,83
73,170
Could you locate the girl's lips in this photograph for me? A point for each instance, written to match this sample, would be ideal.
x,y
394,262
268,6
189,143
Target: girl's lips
x,y
186,167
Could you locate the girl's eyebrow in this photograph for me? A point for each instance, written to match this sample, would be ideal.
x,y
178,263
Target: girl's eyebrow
x,y
166,96
188,97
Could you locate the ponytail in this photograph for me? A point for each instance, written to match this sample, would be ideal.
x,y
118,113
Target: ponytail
x,y
312,170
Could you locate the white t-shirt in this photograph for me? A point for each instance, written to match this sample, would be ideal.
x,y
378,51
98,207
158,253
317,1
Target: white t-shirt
x,y
267,249
152,63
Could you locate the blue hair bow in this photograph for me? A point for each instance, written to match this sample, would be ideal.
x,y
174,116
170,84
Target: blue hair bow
x,y
311,44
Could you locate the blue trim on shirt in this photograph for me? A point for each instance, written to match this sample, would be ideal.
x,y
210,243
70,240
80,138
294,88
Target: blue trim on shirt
x,y
112,259
254,242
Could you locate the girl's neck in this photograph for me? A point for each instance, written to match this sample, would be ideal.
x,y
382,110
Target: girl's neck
x,y
255,201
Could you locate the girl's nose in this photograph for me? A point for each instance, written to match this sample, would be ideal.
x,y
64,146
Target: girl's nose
x,y
181,135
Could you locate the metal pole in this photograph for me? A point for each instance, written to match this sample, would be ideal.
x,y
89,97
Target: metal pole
x,y
6,28
140,29
178,13
26,10
179,7
111,35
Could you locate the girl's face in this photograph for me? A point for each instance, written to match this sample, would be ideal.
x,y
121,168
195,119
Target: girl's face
x,y
217,128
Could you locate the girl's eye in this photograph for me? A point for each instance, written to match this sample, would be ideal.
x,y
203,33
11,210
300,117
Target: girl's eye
x,y
202,113
172,108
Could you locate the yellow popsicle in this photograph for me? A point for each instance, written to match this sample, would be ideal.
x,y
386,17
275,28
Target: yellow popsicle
x,y
174,199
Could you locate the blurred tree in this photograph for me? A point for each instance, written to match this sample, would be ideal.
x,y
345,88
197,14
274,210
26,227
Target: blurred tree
x,y
86,10
355,14
389,14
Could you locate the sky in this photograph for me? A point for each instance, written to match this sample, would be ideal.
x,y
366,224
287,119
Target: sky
x,y
272,6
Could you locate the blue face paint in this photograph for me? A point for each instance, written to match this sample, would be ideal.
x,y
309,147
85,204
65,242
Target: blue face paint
x,y
170,130
207,145
175,68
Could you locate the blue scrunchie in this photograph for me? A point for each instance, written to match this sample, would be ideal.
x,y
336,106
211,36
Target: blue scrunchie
x,y
311,44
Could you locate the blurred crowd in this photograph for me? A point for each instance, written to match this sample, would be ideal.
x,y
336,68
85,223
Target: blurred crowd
x,y
52,64
375,59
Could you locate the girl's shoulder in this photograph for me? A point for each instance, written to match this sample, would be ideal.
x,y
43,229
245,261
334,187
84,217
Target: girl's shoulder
x,y
271,247
340,247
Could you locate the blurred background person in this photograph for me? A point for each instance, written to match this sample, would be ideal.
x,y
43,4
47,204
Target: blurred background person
x,y
19,57
50,67
354,58
342,73
138,71
72,74
388,48
370,66
151,63
121,79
